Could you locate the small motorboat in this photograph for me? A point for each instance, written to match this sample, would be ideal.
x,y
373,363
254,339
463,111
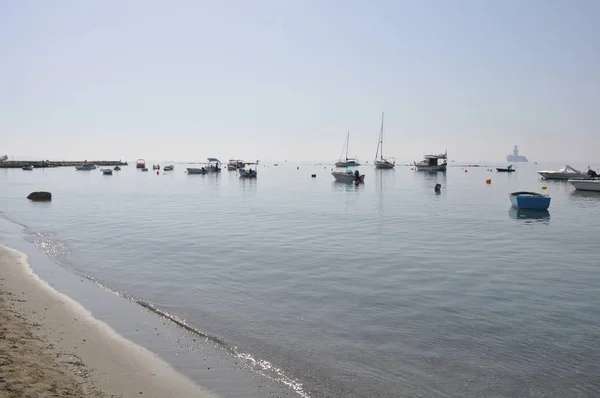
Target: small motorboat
x,y
145,169
349,176
566,173
508,169
107,172
156,167
169,167
530,200
117,168
27,168
140,164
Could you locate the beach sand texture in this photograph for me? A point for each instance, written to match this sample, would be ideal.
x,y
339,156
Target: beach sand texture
x,y
50,346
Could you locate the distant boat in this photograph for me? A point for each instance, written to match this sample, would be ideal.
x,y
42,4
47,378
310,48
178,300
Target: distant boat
x,y
168,167
140,163
530,200
27,168
85,167
431,163
348,162
213,166
515,157
586,185
349,176
145,169
508,169
107,172
566,173
250,173
117,168
383,163
156,167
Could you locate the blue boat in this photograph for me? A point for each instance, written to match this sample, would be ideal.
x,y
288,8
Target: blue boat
x,y
530,200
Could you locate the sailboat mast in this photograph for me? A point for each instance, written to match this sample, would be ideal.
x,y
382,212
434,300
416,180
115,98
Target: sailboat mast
x,y
347,144
381,136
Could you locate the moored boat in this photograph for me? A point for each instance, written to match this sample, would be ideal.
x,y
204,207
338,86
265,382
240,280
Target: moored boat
x,y
431,162
566,173
140,164
347,162
213,166
586,185
107,172
383,163
530,200
85,167
117,168
27,168
348,176
168,167
250,173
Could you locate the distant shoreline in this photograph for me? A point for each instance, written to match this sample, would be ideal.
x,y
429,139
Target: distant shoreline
x,y
15,164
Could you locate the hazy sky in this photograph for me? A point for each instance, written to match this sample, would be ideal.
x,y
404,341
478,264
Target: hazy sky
x,y
285,79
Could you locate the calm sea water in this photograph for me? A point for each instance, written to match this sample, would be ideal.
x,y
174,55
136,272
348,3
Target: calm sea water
x,y
382,290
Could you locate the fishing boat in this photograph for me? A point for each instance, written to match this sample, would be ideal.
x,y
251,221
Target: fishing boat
x,y
349,176
140,163
566,173
383,163
431,162
591,184
508,169
213,166
156,167
530,200
107,172
27,168
85,167
249,173
348,162
117,168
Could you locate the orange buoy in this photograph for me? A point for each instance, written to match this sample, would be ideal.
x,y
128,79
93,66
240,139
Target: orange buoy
x,y
488,181
544,187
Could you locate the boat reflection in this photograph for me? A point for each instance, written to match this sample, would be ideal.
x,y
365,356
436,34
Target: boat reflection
x,y
589,195
529,215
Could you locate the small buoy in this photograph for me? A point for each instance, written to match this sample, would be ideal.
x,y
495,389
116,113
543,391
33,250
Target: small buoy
x,y
412,168
157,172
298,168
544,187
488,181
313,175
438,187
466,170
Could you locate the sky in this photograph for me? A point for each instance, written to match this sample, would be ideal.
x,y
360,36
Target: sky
x,y
286,79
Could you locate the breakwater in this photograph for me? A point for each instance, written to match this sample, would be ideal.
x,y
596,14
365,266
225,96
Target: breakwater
x,y
13,164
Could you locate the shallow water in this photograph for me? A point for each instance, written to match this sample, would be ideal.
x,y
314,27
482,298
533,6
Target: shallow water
x,y
382,290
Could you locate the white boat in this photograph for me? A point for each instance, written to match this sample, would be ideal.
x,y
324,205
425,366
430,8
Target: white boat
x,y
348,176
383,163
27,168
586,185
213,166
107,172
566,173
250,173
431,162
348,162
168,167
140,164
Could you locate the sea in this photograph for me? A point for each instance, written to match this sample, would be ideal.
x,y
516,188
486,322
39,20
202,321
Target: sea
x,y
316,288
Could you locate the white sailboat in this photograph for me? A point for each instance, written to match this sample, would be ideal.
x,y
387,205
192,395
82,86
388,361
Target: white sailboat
x,y
383,163
349,162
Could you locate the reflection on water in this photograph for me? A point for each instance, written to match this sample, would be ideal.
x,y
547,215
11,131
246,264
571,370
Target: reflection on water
x,y
586,195
529,215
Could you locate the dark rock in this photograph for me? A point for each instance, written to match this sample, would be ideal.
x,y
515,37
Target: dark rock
x,y
40,196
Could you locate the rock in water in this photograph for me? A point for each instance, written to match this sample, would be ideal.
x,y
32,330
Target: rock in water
x,y
40,196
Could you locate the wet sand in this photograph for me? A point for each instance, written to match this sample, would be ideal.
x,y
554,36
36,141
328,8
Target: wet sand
x,y
50,346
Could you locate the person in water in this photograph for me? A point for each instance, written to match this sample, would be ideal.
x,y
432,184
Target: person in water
x,y
356,176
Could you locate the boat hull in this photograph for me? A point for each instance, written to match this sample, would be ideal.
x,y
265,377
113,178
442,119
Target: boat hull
x,y
384,164
554,175
433,168
586,185
346,177
247,174
347,164
107,172
530,201
85,168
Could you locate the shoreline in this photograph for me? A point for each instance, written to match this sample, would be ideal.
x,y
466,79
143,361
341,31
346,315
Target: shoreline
x,y
50,345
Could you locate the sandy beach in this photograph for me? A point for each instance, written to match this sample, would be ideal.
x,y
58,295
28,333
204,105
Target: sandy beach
x,y
50,346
